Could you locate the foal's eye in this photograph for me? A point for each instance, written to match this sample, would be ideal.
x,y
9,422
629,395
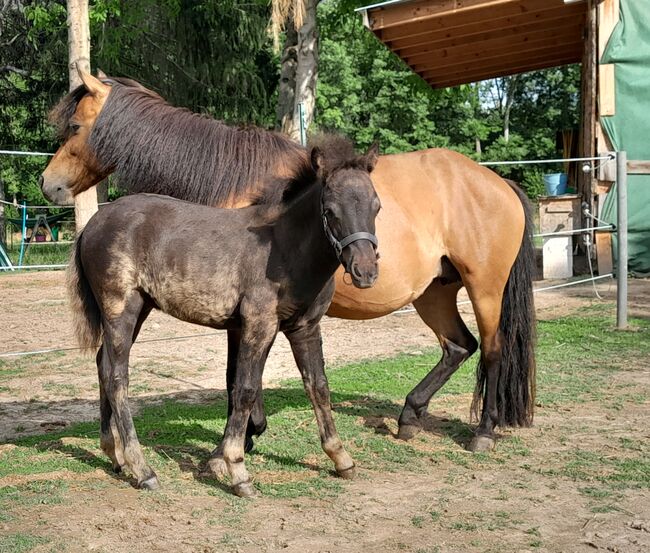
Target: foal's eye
x,y
74,127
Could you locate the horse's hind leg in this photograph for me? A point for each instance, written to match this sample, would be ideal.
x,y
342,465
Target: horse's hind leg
x,y
307,349
109,437
487,307
119,332
437,308
216,466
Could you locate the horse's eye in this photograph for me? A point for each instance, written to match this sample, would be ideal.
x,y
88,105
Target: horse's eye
x,y
74,127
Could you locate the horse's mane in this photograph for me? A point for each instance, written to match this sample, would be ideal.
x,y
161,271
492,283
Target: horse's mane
x,y
155,147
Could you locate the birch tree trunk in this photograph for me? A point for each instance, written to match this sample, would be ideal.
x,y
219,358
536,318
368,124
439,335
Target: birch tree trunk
x,y
85,203
298,74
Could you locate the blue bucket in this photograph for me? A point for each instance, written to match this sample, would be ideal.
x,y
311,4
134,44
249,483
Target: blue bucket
x,y
555,184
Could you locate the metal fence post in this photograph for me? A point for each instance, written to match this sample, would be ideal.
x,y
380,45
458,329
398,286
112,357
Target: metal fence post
x,y
621,240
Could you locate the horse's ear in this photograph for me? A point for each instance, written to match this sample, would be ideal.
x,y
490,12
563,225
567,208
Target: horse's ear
x,y
92,84
371,156
316,156
101,75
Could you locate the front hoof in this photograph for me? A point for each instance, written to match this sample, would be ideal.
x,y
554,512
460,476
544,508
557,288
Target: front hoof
x,y
480,444
117,468
215,467
245,489
149,484
407,431
348,474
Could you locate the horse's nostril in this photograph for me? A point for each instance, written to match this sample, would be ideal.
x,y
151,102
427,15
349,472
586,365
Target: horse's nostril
x,y
355,271
40,181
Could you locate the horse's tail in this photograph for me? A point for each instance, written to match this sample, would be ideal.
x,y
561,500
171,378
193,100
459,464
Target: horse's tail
x,y
516,387
86,313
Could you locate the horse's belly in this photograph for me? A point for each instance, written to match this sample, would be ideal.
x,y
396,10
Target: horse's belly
x,y
199,306
409,261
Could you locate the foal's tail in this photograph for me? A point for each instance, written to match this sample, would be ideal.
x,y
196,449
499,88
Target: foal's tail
x,y
86,313
516,388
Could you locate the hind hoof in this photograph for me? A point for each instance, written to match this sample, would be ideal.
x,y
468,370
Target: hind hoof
x,y
150,484
407,431
480,444
245,489
248,445
348,474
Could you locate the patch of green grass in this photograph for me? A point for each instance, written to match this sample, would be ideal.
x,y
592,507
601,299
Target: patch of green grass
x,y
576,357
20,543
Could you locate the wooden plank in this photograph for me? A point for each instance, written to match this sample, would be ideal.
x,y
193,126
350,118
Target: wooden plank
x,y
453,21
540,38
471,34
608,16
607,89
475,77
604,259
398,14
501,59
637,167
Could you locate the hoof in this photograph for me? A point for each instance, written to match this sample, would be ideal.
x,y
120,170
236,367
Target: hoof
x,y
245,489
150,484
117,468
349,473
215,468
481,444
248,445
407,431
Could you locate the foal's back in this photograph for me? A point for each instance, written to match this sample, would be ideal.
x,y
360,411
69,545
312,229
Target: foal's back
x,y
190,261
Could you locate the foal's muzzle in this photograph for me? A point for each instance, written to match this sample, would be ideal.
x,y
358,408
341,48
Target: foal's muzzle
x,y
361,263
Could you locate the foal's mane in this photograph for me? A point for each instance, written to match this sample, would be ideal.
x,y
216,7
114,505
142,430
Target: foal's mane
x,y
336,152
155,147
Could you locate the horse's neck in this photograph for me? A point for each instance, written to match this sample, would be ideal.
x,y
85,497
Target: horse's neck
x,y
300,228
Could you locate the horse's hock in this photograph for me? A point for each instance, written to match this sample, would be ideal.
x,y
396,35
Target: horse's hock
x,y
558,214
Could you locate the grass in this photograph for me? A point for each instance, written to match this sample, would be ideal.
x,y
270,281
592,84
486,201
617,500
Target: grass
x,y
577,358
39,254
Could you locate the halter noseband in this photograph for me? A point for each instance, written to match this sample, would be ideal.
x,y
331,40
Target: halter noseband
x,y
338,245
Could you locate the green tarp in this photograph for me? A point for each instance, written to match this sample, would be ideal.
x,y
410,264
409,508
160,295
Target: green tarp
x,y
629,128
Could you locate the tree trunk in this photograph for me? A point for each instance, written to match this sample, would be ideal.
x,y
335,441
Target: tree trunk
x,y
298,74
511,90
85,204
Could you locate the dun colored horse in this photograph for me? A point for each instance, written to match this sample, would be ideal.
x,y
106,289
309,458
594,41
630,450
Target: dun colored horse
x,y
254,271
446,223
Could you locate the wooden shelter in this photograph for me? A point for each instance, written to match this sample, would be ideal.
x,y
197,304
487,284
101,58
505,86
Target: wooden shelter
x,y
453,42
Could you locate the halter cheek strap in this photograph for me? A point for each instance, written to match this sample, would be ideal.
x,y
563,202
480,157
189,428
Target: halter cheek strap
x,y
338,245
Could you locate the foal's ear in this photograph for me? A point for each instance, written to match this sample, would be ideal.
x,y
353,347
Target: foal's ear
x,y
92,84
316,156
371,156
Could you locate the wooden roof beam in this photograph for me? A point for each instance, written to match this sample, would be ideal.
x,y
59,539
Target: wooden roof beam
x,y
471,34
529,41
512,8
446,81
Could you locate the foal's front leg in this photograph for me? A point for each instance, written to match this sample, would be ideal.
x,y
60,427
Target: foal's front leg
x,y
254,347
307,348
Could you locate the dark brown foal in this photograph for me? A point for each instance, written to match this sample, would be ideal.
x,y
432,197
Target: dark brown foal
x,y
254,271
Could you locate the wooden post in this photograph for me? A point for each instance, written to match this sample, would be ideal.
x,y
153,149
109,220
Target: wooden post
x,y
85,203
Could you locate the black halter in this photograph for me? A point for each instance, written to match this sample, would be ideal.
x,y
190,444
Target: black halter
x,y
338,245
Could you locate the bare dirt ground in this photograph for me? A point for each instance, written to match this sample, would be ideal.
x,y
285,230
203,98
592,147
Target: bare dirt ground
x,y
455,506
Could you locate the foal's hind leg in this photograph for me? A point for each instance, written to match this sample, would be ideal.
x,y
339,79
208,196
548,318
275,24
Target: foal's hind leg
x,y
216,466
307,348
109,437
437,307
119,332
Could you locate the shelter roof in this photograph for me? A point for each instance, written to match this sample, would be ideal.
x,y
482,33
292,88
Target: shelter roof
x,y
452,42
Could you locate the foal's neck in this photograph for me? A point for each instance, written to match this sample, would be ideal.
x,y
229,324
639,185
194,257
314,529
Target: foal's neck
x,y
300,229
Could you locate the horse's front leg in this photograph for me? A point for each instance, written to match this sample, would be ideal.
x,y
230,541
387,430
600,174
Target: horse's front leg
x,y
307,348
256,340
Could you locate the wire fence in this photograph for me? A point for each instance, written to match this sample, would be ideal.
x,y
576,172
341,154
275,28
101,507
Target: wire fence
x,y
589,166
